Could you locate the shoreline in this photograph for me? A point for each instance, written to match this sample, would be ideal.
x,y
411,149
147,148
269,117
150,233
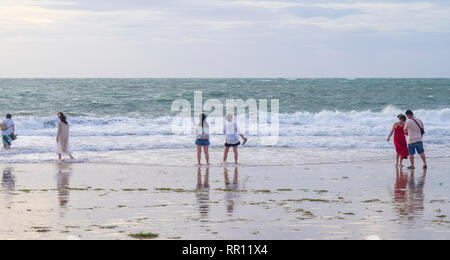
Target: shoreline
x,y
248,157
331,201
229,164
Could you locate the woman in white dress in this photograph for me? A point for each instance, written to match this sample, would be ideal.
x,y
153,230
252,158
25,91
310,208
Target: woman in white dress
x,y
62,138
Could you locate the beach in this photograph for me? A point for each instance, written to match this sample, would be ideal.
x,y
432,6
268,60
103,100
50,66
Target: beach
x,y
329,174
302,112
353,200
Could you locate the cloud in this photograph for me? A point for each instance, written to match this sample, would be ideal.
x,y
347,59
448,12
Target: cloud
x,y
219,37
380,16
219,15
267,4
14,17
46,19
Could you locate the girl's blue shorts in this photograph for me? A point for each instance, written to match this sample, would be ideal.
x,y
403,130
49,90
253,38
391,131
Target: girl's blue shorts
x,y
202,142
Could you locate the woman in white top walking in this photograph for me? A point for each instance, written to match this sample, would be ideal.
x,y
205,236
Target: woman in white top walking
x,y
62,138
232,133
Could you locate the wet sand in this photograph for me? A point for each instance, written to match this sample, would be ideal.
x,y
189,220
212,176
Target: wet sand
x,y
317,201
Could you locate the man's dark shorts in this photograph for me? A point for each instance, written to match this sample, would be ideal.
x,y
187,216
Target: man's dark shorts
x,y
412,148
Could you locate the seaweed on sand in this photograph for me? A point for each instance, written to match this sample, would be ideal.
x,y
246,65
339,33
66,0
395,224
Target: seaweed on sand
x,y
143,236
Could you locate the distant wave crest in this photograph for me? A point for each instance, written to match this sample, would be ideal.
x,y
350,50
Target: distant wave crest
x,y
325,123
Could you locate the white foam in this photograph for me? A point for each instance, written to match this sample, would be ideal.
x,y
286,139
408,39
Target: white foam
x,y
354,130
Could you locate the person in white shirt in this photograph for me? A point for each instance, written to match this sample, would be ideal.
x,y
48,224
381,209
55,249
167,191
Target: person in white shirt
x,y
7,131
415,129
232,133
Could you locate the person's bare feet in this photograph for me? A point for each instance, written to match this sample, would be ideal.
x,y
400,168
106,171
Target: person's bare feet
x,y
245,141
425,166
411,167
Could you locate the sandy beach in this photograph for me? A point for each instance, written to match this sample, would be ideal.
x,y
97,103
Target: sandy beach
x,y
315,201
314,99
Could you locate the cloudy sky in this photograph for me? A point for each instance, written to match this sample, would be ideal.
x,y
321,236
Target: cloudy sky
x,y
224,38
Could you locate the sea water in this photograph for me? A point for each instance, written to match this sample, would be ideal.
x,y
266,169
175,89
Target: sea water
x,y
129,120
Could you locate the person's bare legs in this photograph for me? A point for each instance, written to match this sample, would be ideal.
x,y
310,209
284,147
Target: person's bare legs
x,y
236,155
6,146
411,159
199,155
225,154
398,158
401,162
71,157
59,156
206,149
424,159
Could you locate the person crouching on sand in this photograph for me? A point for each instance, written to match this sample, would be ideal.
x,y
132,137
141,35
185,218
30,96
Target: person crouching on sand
x,y
401,146
62,138
232,133
7,131
202,141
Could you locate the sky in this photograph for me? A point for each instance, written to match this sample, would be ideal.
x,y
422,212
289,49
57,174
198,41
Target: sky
x,y
224,38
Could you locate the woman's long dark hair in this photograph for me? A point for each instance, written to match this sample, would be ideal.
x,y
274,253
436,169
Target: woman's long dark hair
x,y
203,119
62,117
203,123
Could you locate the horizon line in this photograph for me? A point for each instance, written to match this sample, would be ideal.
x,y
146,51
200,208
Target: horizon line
x,y
289,78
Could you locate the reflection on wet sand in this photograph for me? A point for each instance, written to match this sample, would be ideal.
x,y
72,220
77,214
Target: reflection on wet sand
x,y
314,202
409,194
231,188
401,183
415,194
8,180
202,193
63,183
8,185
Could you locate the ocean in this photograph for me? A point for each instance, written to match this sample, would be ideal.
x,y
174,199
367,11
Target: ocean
x,y
129,120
